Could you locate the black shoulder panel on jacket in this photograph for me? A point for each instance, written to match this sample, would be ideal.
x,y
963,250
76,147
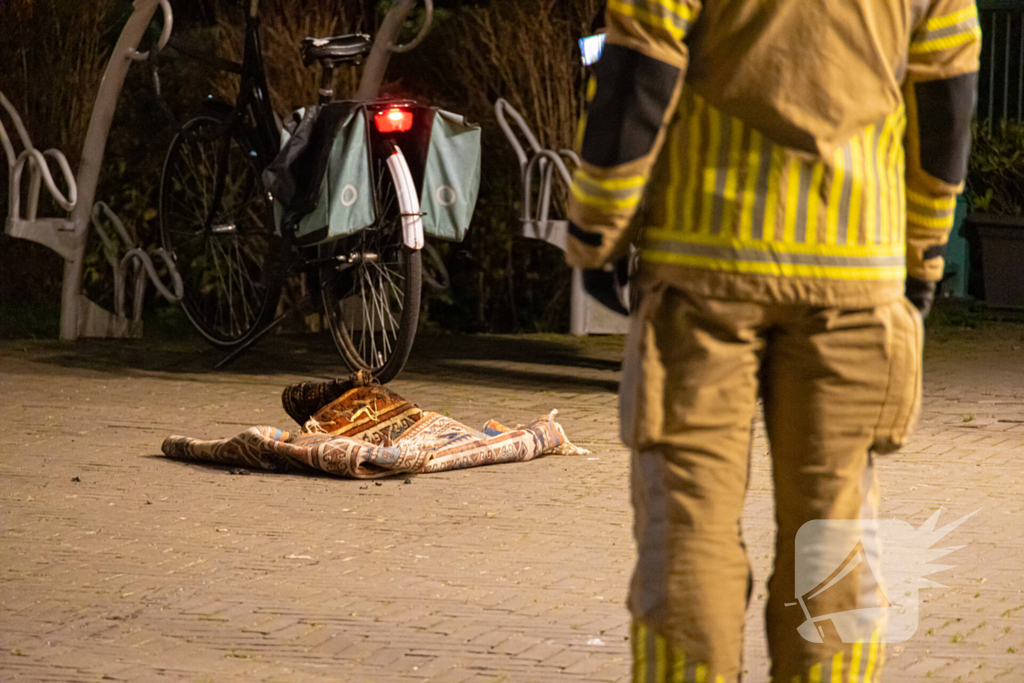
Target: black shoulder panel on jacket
x,y
633,92
934,251
944,111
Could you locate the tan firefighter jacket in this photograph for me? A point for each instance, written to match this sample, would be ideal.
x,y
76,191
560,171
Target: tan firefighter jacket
x,y
778,150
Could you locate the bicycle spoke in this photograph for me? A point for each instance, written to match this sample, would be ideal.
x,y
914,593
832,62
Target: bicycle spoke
x,y
372,328
226,282
242,276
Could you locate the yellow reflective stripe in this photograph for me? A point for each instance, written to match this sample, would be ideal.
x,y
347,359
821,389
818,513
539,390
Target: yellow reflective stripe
x,y
951,19
856,189
604,203
719,679
846,250
895,182
928,202
750,186
772,200
581,129
870,228
639,653
901,173
930,222
881,170
659,658
680,8
732,175
690,193
948,31
783,269
710,174
814,675
855,663
792,199
835,197
646,17
701,674
872,653
945,43
813,202
613,184
899,182
678,665
837,668
891,181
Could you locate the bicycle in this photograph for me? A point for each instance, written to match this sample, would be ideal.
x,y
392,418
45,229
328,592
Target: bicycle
x,y
216,216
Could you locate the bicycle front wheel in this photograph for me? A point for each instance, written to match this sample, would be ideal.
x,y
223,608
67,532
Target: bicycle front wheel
x,y
216,220
372,287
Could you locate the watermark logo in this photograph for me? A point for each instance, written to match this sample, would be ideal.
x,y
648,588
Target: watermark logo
x,y
878,566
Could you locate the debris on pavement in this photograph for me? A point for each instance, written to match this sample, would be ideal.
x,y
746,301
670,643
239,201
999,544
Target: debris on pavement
x,y
366,431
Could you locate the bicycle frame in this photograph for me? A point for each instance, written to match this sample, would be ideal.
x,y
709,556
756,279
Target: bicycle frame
x,y
254,93
254,97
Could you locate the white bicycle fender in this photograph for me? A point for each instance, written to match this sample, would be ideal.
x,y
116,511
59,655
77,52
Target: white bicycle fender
x,y
408,200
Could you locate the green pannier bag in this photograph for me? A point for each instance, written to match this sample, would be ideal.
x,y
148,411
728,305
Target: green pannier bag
x,y
451,179
321,178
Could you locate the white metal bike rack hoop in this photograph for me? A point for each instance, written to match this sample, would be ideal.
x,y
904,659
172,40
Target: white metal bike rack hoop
x,y
588,316
67,235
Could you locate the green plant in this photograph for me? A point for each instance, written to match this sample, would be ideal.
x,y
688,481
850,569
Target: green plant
x,y
995,179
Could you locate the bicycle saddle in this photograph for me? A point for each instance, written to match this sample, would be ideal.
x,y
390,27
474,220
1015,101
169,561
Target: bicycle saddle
x,y
331,51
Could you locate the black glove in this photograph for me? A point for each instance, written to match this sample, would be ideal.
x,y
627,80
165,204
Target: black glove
x,y
922,294
605,285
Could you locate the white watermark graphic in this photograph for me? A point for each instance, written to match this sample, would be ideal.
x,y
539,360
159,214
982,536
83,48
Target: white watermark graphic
x,y
878,565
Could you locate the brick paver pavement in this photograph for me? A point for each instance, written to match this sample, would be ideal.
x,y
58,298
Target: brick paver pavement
x,y
116,564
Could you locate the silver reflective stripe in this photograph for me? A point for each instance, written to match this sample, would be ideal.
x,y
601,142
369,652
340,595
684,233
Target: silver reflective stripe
x,y
800,235
594,189
761,189
721,173
845,198
753,255
876,178
964,26
928,212
663,9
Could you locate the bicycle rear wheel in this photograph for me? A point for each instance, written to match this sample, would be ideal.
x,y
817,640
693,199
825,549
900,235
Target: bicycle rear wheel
x,y
372,290
230,259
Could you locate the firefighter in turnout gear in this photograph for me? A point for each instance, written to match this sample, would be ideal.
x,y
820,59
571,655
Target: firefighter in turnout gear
x,y
788,170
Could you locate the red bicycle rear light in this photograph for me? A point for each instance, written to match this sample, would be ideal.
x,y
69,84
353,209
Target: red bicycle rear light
x,y
393,120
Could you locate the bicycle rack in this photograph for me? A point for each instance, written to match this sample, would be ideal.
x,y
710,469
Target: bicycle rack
x,y
588,316
80,317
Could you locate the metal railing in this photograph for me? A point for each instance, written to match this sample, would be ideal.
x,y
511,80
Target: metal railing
x,y
1001,81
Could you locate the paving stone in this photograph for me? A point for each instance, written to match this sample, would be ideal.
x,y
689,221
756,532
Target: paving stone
x,y
504,573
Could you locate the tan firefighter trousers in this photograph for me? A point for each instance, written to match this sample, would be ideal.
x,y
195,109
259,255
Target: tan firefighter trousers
x,y
838,385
